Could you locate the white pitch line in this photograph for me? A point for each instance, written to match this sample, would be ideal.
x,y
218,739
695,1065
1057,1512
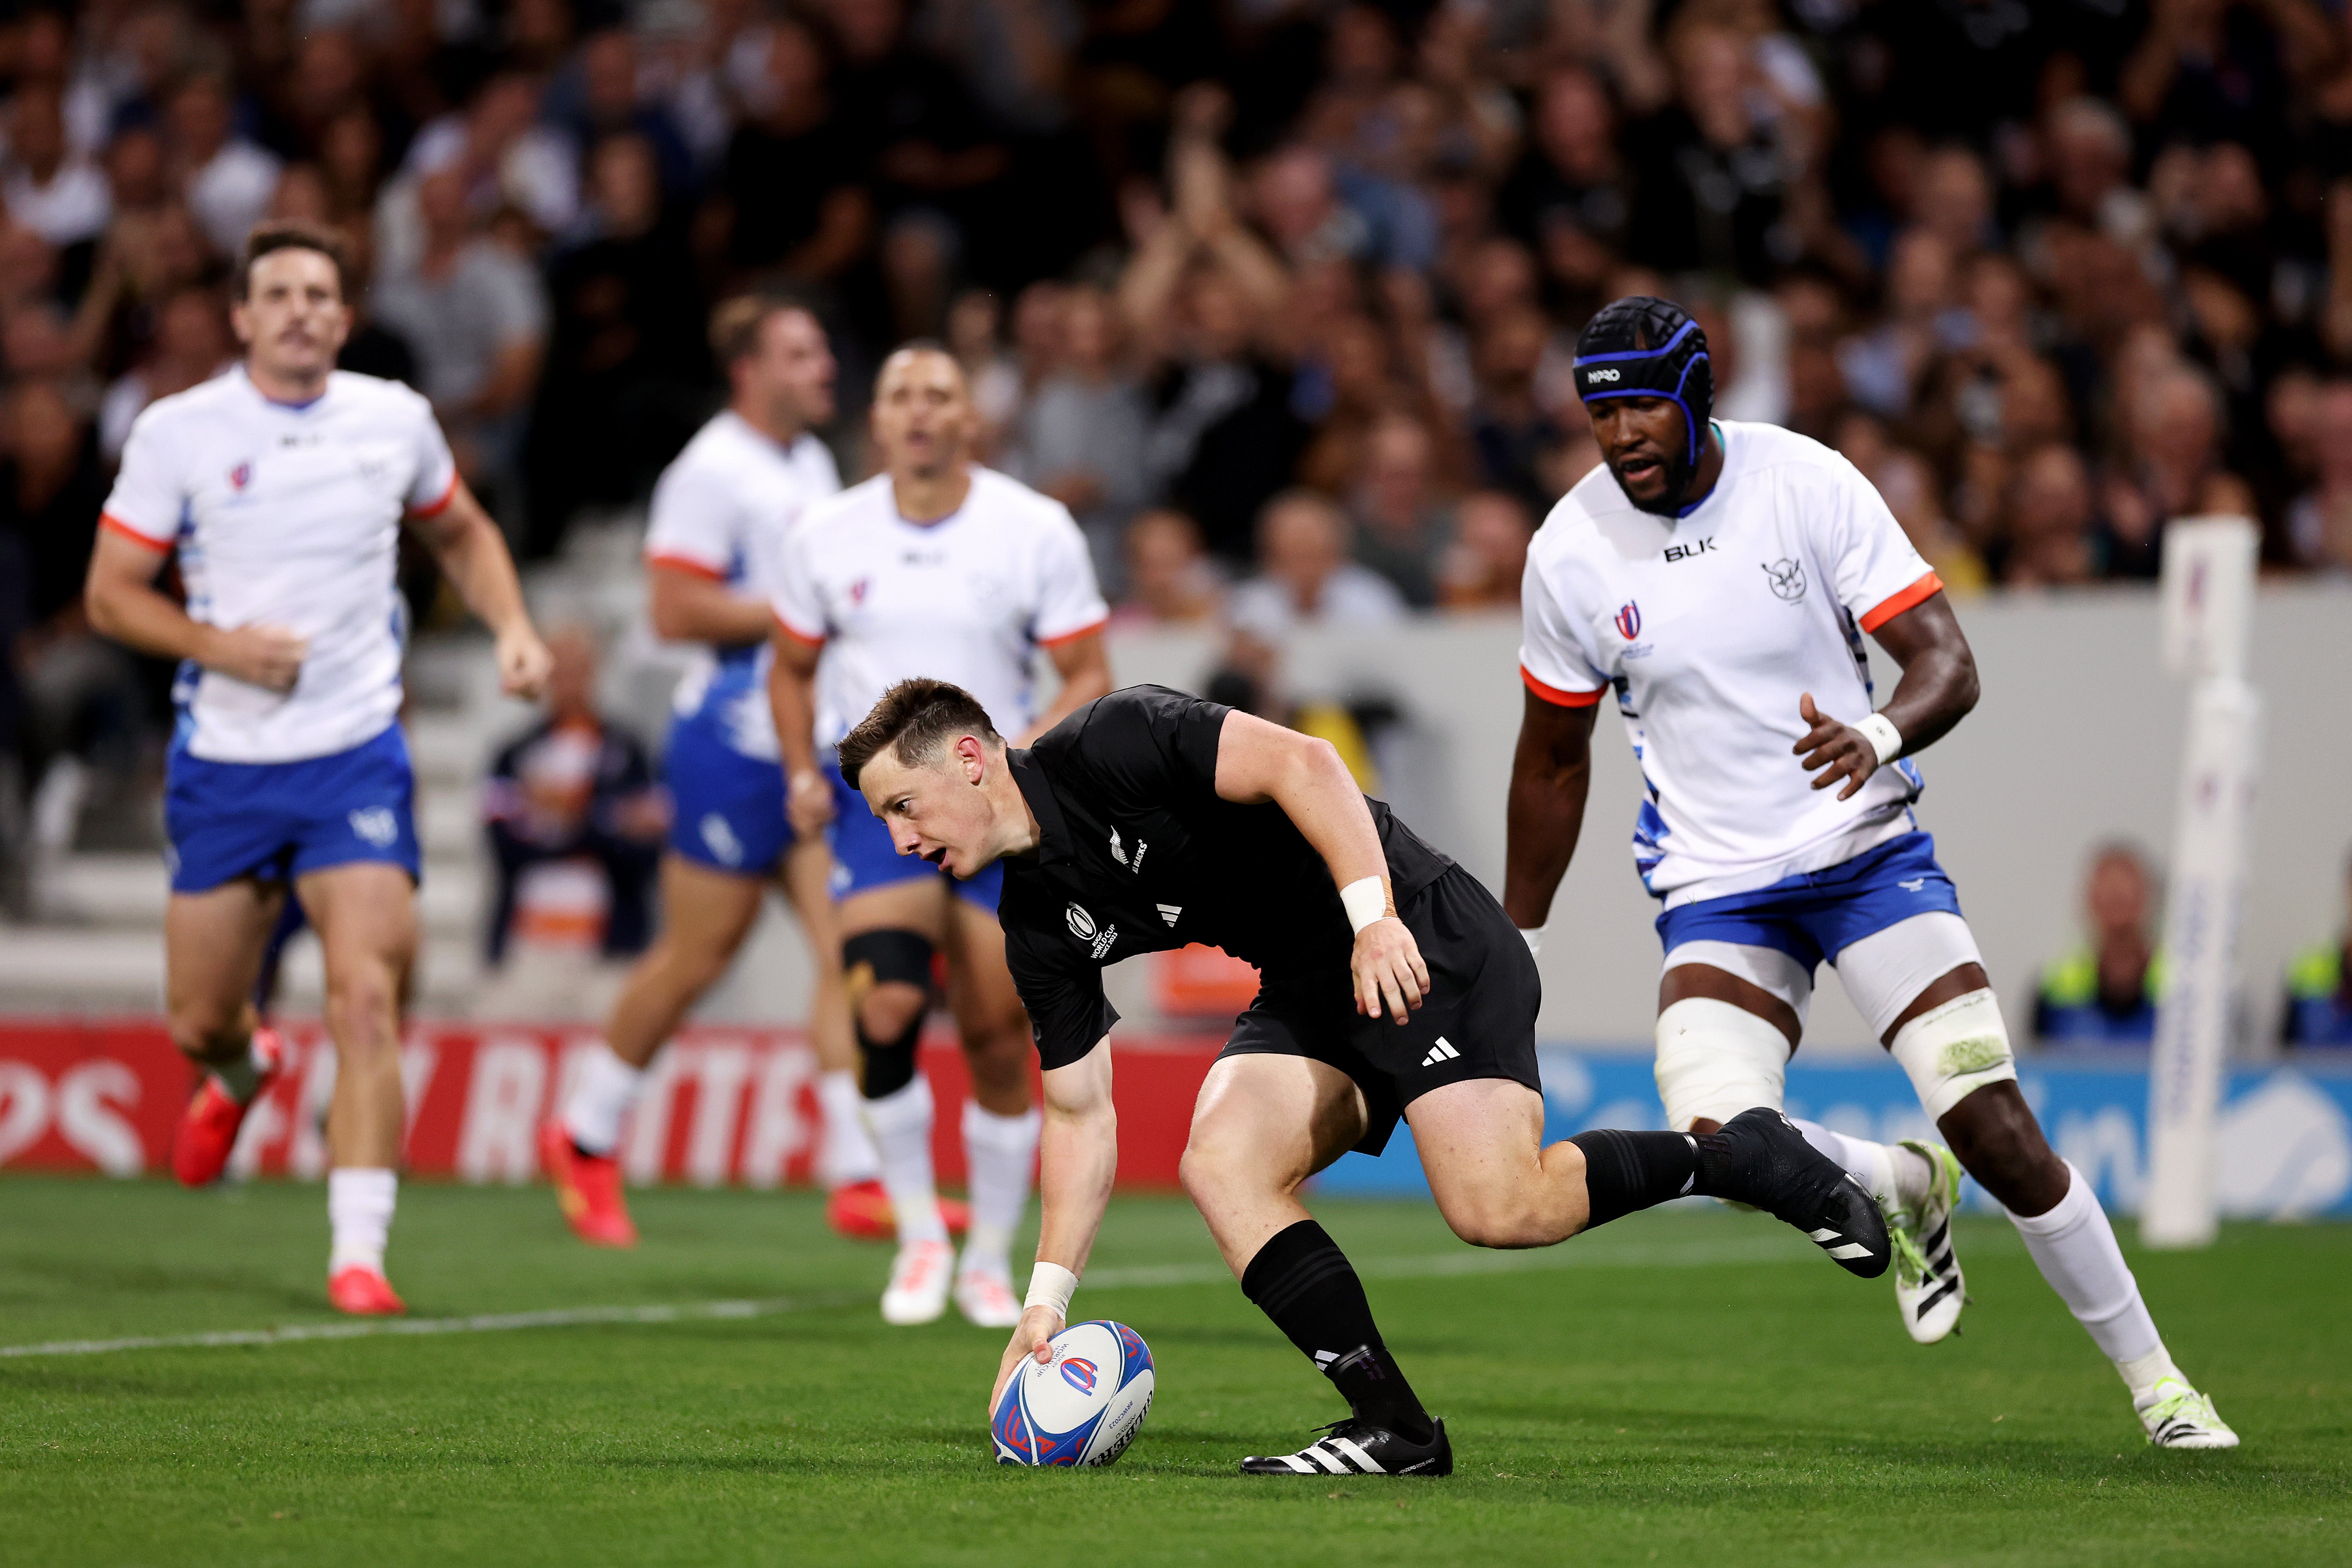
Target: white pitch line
x,y
1433,1265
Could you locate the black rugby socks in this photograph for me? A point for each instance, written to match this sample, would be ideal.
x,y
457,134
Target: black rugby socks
x,y
1624,1171
1303,1281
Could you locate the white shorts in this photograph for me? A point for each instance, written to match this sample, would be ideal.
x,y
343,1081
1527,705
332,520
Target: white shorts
x,y
1883,973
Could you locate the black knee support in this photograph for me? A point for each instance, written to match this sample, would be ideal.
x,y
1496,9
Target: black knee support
x,y
878,958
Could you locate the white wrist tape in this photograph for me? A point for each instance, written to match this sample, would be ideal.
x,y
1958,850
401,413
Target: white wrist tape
x,y
1051,1285
1533,936
1367,900
1883,736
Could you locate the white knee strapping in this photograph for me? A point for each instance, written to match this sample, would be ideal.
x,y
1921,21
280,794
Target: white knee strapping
x,y
1716,1060
1955,1050
1768,967
1888,970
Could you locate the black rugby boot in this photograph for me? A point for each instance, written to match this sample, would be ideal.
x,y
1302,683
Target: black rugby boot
x,y
1356,1448
1760,1159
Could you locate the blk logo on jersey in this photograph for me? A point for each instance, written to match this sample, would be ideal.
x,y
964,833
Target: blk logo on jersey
x,y
1689,552
1629,620
1788,577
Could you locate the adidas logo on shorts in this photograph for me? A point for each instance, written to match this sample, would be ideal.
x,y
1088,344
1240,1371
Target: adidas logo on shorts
x,y
1443,1051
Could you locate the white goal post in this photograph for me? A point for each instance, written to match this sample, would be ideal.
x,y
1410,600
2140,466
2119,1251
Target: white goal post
x,y
2207,599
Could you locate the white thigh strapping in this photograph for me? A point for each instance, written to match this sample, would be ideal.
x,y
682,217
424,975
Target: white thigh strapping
x,y
1716,1060
1766,967
1886,971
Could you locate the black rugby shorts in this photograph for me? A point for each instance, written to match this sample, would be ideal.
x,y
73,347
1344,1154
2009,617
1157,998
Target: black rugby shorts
x,y
1477,1019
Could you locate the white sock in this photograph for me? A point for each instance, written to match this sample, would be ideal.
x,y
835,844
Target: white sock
x,y
2075,1248
901,1127
847,1155
607,1088
240,1080
359,1208
1001,1152
1893,1173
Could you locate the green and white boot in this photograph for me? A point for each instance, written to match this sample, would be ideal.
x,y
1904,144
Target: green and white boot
x,y
2178,1416
1928,1290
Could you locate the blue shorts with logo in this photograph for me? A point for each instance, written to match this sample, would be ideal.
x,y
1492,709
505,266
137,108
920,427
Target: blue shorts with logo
x,y
727,810
278,821
864,858
1818,914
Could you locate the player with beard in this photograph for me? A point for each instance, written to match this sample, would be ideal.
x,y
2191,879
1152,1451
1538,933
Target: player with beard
x,y
1393,985
936,563
1719,578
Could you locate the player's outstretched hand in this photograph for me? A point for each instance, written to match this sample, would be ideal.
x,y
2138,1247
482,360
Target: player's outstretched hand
x,y
1032,1336
1838,751
1388,969
523,664
267,657
808,802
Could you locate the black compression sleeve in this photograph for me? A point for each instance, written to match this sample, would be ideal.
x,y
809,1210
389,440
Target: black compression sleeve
x,y
1628,1171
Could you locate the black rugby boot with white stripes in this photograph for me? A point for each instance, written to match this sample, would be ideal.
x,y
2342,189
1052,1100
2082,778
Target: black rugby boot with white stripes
x,y
1761,1160
1360,1447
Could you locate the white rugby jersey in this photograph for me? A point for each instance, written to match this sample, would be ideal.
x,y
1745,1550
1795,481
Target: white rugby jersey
x,y
721,510
288,515
968,598
1709,627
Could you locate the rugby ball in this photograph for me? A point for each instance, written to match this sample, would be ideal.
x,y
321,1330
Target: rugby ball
x,y
1083,1407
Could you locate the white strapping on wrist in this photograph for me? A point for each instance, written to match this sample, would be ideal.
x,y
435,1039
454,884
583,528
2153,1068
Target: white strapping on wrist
x,y
1884,737
1534,935
1367,900
1051,1285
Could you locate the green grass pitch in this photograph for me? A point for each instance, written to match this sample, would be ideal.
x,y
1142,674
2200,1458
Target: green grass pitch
x,y
1679,1387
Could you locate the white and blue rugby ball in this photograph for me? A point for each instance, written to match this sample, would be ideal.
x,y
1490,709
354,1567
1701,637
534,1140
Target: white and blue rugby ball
x,y
1083,1407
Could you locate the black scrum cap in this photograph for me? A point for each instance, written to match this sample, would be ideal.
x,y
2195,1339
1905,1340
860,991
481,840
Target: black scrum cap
x,y
1643,346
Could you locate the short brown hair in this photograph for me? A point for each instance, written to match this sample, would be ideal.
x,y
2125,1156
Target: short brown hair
x,y
917,717
736,324
289,234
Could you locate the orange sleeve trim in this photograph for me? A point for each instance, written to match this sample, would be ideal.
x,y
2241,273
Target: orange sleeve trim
x,y
437,508
797,635
686,563
113,524
1089,630
1926,587
1557,697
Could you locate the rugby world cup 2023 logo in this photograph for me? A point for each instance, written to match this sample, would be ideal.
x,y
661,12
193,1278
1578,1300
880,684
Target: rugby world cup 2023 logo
x,y
1629,620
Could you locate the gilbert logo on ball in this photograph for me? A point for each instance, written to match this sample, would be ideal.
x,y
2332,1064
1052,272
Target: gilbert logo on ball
x,y
1083,1407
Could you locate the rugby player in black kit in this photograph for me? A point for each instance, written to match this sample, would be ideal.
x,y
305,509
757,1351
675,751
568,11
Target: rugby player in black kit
x,y
1392,984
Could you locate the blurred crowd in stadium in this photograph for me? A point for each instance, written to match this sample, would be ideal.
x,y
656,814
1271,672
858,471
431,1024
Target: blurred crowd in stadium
x,y
1279,296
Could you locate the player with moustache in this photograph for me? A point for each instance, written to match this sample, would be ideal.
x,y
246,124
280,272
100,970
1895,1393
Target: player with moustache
x,y
1393,985
283,485
934,564
1717,578
716,537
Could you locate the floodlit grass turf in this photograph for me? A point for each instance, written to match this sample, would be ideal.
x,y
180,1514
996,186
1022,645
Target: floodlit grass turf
x,y
1679,1387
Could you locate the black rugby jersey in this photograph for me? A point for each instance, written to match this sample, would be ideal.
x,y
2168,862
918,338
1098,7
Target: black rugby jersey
x,y
1136,853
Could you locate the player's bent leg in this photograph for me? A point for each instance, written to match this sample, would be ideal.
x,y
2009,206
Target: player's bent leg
x,y
846,1164
214,943
365,915
1480,1144
706,913
889,936
1263,1124
1001,1124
